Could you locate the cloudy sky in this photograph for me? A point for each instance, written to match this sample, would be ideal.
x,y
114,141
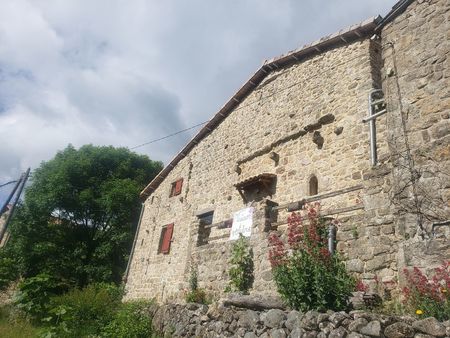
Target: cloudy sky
x,y
124,72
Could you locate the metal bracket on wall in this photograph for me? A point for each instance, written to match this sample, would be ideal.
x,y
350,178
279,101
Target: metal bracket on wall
x,y
377,107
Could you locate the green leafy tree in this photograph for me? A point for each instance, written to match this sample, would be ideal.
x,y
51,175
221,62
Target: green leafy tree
x,y
79,213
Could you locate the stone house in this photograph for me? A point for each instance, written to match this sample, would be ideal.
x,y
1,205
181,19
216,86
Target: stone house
x,y
358,120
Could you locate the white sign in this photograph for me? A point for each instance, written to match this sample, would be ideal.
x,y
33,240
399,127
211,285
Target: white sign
x,y
242,223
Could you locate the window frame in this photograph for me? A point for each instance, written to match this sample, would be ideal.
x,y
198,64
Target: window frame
x,y
165,239
313,185
176,187
204,219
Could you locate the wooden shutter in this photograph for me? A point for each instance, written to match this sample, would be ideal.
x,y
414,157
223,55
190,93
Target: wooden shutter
x,y
167,237
178,186
161,239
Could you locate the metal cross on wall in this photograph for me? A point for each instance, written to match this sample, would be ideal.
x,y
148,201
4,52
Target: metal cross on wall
x,y
377,107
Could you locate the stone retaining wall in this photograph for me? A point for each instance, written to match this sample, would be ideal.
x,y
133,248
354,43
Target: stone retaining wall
x,y
195,320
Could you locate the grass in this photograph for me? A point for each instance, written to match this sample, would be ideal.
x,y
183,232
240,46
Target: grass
x,y
17,329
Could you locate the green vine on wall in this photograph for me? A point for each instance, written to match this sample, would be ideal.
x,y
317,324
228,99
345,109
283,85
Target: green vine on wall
x,y
241,270
196,294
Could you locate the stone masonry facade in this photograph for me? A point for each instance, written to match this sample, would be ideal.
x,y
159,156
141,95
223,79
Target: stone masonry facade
x,y
300,120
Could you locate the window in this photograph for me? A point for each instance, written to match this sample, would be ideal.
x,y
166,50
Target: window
x,y
176,187
204,230
313,185
165,239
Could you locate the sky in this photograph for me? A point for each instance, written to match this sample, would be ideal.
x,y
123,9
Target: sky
x,y
125,72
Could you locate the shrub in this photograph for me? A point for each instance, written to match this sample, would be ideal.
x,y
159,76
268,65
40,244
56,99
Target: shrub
x,y
306,274
193,279
429,297
132,320
195,294
8,270
35,292
241,271
80,313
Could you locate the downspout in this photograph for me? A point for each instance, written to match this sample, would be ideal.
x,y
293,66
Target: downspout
x,y
125,278
331,238
373,133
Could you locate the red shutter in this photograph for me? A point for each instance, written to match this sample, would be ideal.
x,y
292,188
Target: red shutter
x,y
178,186
165,247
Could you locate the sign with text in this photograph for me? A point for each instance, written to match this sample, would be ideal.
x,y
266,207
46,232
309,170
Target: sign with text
x,y
242,223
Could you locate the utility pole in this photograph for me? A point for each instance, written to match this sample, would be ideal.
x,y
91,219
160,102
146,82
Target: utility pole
x,y
5,205
20,185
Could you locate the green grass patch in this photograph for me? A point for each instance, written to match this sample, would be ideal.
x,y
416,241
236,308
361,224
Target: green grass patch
x,y
15,327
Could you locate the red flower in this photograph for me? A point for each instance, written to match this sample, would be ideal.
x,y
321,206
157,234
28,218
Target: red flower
x,y
361,286
277,252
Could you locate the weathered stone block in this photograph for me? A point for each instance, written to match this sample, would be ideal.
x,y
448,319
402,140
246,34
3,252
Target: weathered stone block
x,y
430,326
355,265
399,330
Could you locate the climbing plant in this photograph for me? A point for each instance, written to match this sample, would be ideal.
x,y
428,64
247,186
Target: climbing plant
x,y
196,294
241,270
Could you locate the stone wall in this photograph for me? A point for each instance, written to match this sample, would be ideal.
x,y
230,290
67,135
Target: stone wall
x,y
319,95
409,189
305,120
416,57
195,320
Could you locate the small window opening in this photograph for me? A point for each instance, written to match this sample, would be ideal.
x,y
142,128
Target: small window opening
x,y
165,239
313,185
176,188
204,229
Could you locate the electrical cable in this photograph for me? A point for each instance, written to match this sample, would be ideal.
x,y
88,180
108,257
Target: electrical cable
x,y
322,71
167,136
5,184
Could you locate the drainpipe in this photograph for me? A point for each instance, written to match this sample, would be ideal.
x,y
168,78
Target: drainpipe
x,y
331,238
125,278
373,131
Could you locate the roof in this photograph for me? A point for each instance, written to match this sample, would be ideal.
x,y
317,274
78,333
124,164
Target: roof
x,y
261,178
344,36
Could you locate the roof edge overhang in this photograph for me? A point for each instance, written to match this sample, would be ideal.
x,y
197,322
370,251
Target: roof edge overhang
x,y
396,10
343,37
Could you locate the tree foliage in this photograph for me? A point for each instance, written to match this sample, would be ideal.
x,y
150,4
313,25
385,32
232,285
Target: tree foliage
x,y
77,220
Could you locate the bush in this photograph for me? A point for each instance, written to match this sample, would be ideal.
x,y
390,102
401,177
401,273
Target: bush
x,y
428,297
307,276
80,313
241,271
195,294
132,320
8,270
35,292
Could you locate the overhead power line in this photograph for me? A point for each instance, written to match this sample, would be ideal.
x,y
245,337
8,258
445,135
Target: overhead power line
x,y
242,106
167,136
10,182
